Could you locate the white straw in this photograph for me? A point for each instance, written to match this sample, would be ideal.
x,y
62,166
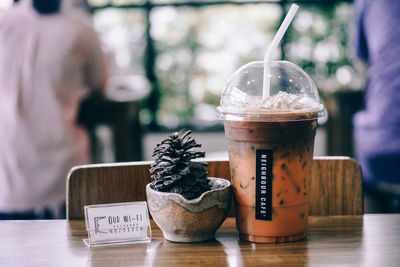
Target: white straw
x,y
273,46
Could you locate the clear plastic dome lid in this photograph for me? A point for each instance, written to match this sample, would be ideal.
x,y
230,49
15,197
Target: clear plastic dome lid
x,y
293,94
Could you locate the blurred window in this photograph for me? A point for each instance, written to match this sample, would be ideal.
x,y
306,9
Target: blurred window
x,y
5,4
188,49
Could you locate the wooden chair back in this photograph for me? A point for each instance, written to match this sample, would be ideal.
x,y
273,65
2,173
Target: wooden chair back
x,y
335,187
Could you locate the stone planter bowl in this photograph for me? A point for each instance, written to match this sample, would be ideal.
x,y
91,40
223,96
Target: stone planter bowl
x,y
194,220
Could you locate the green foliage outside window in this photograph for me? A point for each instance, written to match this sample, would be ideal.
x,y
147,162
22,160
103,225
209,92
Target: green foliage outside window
x,y
198,46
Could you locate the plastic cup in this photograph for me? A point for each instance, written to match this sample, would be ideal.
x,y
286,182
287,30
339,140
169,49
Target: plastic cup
x,y
271,144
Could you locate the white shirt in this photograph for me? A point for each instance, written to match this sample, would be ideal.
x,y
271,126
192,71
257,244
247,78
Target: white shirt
x,y
46,63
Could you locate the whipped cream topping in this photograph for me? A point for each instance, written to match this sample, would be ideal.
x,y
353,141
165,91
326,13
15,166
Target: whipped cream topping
x,y
280,103
288,102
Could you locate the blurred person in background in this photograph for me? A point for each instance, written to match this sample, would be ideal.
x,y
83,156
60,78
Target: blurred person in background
x,y
50,57
377,126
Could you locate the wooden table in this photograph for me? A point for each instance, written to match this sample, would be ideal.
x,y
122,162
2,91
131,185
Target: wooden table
x,y
369,240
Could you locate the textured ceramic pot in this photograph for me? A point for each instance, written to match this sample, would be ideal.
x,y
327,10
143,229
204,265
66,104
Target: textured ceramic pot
x,y
194,220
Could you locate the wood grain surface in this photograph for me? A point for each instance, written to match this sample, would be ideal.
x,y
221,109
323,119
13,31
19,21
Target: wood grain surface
x,y
358,240
335,185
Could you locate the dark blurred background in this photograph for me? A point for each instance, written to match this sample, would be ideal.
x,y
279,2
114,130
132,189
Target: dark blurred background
x,y
170,60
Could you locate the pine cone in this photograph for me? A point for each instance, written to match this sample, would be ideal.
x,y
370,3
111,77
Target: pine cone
x,y
173,169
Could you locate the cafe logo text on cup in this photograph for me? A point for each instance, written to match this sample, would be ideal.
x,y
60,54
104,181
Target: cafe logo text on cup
x,y
264,160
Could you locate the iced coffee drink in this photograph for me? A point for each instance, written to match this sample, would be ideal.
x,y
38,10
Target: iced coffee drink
x,y
271,144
